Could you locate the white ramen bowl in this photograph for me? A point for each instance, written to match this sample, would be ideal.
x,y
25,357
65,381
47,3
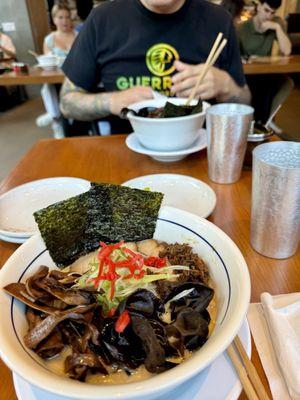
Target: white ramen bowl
x,y
228,271
166,134
47,61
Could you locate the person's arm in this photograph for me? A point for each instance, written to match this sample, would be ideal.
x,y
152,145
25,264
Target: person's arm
x,y
216,84
79,104
284,42
8,47
46,49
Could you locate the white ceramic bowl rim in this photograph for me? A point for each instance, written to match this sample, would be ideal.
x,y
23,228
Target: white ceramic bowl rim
x,y
161,382
141,104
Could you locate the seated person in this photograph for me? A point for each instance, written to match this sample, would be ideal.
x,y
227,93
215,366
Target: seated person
x,y
9,96
57,43
256,37
7,48
160,45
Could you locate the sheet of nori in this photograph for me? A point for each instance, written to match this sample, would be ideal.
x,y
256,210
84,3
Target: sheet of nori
x,y
172,110
107,212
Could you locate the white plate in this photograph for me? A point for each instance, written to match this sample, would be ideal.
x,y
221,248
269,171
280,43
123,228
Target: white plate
x,y
217,382
12,239
133,144
180,191
18,205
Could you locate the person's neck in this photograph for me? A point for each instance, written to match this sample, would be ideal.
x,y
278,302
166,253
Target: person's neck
x,y
257,23
164,9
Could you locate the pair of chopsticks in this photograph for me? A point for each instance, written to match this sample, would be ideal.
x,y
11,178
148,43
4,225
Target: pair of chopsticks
x,y
211,59
246,371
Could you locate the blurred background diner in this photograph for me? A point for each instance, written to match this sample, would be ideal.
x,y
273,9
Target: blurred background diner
x,y
31,111
57,43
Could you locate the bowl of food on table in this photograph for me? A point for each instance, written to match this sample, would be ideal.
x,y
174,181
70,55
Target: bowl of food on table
x,y
118,297
47,61
167,124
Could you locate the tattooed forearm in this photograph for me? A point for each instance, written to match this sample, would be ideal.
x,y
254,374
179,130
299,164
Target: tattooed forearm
x,y
235,94
243,96
78,104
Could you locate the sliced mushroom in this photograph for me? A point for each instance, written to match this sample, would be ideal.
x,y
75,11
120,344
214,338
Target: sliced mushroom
x,y
30,283
51,346
155,354
77,365
46,326
18,290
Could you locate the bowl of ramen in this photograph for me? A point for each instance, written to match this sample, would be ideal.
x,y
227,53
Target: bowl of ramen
x,y
130,320
47,61
167,124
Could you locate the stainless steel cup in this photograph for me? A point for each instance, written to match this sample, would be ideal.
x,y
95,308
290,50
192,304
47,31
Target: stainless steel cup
x,y
227,129
275,214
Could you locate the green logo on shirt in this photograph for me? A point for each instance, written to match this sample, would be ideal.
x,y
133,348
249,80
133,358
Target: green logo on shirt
x,y
160,59
160,62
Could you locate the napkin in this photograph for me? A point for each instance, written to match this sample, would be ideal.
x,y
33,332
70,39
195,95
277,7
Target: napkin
x,y
275,326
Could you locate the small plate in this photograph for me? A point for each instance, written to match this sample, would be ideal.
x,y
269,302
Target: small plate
x,y
11,239
180,191
133,144
217,382
18,205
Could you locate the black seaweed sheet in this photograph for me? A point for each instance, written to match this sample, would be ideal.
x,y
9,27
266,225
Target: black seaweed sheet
x,y
108,213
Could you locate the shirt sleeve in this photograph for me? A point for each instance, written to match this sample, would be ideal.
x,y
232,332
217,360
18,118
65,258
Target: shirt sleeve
x,y
233,64
80,65
49,41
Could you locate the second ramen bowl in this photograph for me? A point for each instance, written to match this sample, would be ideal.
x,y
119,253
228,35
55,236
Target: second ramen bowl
x,y
166,134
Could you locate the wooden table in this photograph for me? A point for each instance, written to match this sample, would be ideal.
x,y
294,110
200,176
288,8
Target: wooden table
x,y
107,159
36,76
273,65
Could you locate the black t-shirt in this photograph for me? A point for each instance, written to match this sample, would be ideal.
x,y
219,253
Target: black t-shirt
x,y
123,44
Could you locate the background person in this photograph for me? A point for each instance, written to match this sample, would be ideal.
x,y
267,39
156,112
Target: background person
x,y
10,96
57,43
256,37
154,44
7,48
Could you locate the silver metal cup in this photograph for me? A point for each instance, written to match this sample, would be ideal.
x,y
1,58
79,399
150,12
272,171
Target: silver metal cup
x,y
227,129
275,214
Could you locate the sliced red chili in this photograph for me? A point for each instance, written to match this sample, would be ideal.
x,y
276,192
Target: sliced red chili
x,y
122,322
155,262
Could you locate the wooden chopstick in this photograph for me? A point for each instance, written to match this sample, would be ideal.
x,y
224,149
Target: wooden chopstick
x,y
211,59
246,371
251,370
249,390
33,53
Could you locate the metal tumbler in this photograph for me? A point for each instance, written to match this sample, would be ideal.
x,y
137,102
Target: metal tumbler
x,y
275,214
228,126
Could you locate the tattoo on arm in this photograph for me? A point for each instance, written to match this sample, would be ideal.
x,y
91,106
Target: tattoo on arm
x,y
242,96
77,103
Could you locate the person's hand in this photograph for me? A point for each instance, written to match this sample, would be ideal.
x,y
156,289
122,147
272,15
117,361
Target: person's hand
x,y
265,26
214,83
124,98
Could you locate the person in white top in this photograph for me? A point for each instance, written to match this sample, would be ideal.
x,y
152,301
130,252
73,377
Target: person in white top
x,y
57,43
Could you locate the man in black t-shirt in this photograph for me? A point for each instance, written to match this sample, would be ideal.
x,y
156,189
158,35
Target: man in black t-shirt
x,y
129,47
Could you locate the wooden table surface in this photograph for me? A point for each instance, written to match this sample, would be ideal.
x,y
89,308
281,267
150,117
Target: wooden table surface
x,y
36,76
273,65
107,159
265,65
